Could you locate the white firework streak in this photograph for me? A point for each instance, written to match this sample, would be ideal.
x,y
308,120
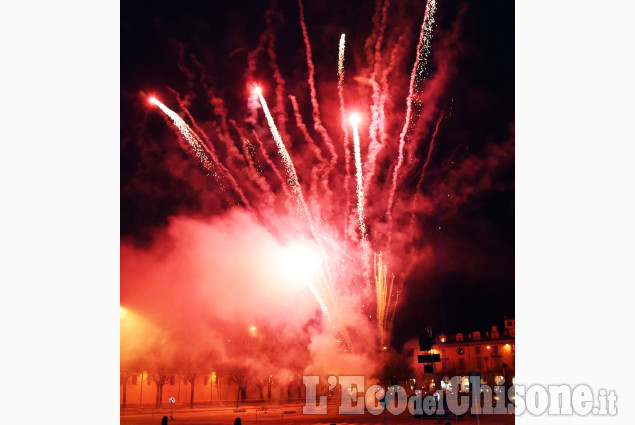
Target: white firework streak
x,y
292,177
347,153
200,150
423,48
325,310
360,186
365,245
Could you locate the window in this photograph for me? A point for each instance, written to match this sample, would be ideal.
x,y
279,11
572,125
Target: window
x,y
459,351
496,349
172,380
133,379
478,350
461,363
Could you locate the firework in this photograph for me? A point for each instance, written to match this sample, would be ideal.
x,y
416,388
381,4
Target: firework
x,y
292,179
208,159
377,119
269,162
338,249
323,164
317,120
360,185
365,247
331,314
292,176
384,296
423,48
347,153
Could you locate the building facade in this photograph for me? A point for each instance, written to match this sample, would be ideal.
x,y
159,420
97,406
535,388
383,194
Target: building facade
x,y
490,354
140,389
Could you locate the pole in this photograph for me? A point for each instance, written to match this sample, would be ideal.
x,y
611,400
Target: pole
x,y
434,375
141,390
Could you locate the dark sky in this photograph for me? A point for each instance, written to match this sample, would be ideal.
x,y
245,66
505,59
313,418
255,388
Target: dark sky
x,y
470,180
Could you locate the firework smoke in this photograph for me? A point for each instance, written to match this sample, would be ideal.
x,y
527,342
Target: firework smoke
x,y
317,120
323,293
320,212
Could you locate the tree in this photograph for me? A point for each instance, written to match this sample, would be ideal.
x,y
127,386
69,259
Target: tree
x,y
239,375
191,360
160,378
261,386
128,369
123,378
191,377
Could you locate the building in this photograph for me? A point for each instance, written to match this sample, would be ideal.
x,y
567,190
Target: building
x,y
140,389
491,354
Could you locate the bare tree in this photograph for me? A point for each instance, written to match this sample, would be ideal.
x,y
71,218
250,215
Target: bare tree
x,y
191,377
128,368
239,374
124,376
160,378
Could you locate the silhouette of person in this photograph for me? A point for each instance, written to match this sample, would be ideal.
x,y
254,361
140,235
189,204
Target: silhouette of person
x,y
164,421
237,422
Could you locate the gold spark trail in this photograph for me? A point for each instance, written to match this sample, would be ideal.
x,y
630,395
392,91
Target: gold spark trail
x,y
384,297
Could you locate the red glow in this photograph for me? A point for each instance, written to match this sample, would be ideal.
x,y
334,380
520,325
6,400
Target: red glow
x,y
354,118
152,100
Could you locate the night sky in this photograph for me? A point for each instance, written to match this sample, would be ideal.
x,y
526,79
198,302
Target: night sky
x,y
468,218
